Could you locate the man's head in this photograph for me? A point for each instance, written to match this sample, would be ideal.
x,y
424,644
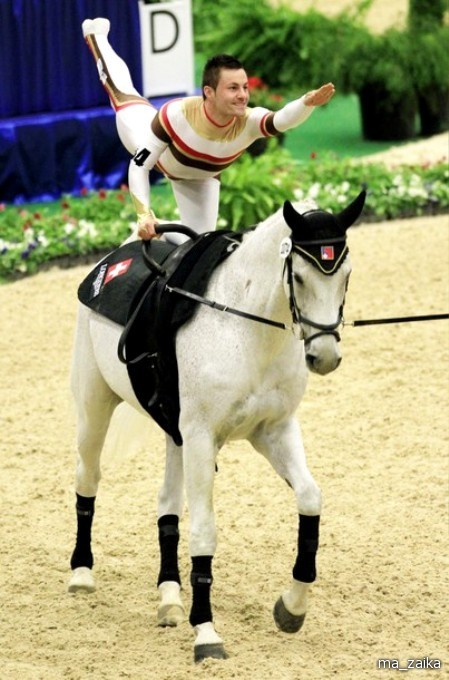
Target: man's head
x,y
225,86
213,67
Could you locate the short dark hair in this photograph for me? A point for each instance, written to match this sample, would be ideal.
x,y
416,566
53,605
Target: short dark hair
x,y
213,67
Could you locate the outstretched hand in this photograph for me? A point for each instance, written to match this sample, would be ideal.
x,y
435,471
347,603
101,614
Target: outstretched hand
x,y
320,96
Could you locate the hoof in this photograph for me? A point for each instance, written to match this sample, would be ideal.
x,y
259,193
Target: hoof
x,y
214,650
170,615
82,580
286,622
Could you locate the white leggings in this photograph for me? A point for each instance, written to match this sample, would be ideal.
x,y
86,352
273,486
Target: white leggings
x,y
197,200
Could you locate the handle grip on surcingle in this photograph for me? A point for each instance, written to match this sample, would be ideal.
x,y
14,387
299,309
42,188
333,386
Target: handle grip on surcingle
x,y
176,229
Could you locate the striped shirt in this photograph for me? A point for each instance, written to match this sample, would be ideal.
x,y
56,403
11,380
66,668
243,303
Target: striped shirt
x,y
188,144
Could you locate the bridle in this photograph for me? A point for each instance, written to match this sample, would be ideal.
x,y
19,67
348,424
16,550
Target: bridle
x,y
298,318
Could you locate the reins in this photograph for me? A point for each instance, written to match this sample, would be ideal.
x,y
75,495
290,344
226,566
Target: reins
x,y
323,328
395,319
230,310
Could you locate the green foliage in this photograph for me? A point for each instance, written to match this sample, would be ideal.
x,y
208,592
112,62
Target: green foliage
x,y
426,15
379,60
289,51
392,193
294,52
252,189
429,58
92,224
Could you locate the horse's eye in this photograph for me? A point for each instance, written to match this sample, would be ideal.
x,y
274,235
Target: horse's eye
x,y
298,279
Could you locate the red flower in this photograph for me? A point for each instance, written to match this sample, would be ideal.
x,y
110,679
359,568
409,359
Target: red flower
x,y
256,82
37,216
84,191
65,204
2,207
121,197
123,187
102,193
313,155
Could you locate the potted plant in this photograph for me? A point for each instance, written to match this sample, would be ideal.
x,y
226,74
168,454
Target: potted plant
x,y
378,70
430,71
430,63
426,15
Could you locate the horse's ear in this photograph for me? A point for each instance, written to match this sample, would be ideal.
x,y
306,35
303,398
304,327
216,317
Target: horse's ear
x,y
293,219
352,212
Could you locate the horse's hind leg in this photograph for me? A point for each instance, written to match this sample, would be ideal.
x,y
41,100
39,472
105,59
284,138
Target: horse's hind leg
x,y
200,451
95,404
170,507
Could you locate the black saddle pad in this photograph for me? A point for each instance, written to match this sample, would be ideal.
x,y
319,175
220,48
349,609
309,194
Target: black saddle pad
x,y
118,279
123,289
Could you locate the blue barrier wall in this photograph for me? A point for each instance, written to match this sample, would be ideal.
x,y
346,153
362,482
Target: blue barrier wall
x,y
57,131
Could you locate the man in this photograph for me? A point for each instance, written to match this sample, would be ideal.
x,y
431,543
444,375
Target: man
x,y
193,139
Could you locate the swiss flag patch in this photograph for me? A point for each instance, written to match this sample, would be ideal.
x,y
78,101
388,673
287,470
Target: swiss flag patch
x,y
327,252
117,270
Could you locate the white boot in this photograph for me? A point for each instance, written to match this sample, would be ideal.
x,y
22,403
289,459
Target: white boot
x,y
98,26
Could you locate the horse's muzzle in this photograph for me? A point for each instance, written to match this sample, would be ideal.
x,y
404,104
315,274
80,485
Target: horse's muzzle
x,y
323,362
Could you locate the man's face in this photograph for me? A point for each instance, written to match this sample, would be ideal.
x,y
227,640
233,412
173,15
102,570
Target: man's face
x,y
230,98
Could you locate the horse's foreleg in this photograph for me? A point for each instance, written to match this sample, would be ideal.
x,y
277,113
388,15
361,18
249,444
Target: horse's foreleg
x,y
283,447
290,609
199,468
170,507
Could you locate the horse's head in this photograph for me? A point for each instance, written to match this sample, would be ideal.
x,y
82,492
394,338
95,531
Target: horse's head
x,y
317,274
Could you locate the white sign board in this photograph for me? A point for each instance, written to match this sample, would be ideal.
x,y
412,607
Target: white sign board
x,y
167,48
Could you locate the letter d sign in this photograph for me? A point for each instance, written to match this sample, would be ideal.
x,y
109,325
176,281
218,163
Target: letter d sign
x,y
167,48
163,26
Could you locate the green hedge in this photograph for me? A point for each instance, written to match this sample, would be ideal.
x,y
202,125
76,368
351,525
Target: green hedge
x,y
252,189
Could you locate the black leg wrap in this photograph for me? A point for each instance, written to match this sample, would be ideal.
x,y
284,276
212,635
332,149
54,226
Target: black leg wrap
x,y
308,533
201,581
168,545
82,555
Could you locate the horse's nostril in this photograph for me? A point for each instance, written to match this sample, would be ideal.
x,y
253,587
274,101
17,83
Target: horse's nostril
x,y
310,358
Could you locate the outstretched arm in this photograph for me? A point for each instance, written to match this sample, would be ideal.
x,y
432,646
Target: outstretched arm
x,y
296,112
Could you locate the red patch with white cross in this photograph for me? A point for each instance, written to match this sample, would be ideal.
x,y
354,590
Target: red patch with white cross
x,y
117,269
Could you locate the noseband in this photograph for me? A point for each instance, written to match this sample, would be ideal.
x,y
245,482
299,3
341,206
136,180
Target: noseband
x,y
297,316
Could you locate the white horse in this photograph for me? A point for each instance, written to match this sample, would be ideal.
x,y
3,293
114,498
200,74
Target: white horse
x,y
238,379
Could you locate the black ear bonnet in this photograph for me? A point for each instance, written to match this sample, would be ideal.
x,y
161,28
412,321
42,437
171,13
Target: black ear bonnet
x,y
319,236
